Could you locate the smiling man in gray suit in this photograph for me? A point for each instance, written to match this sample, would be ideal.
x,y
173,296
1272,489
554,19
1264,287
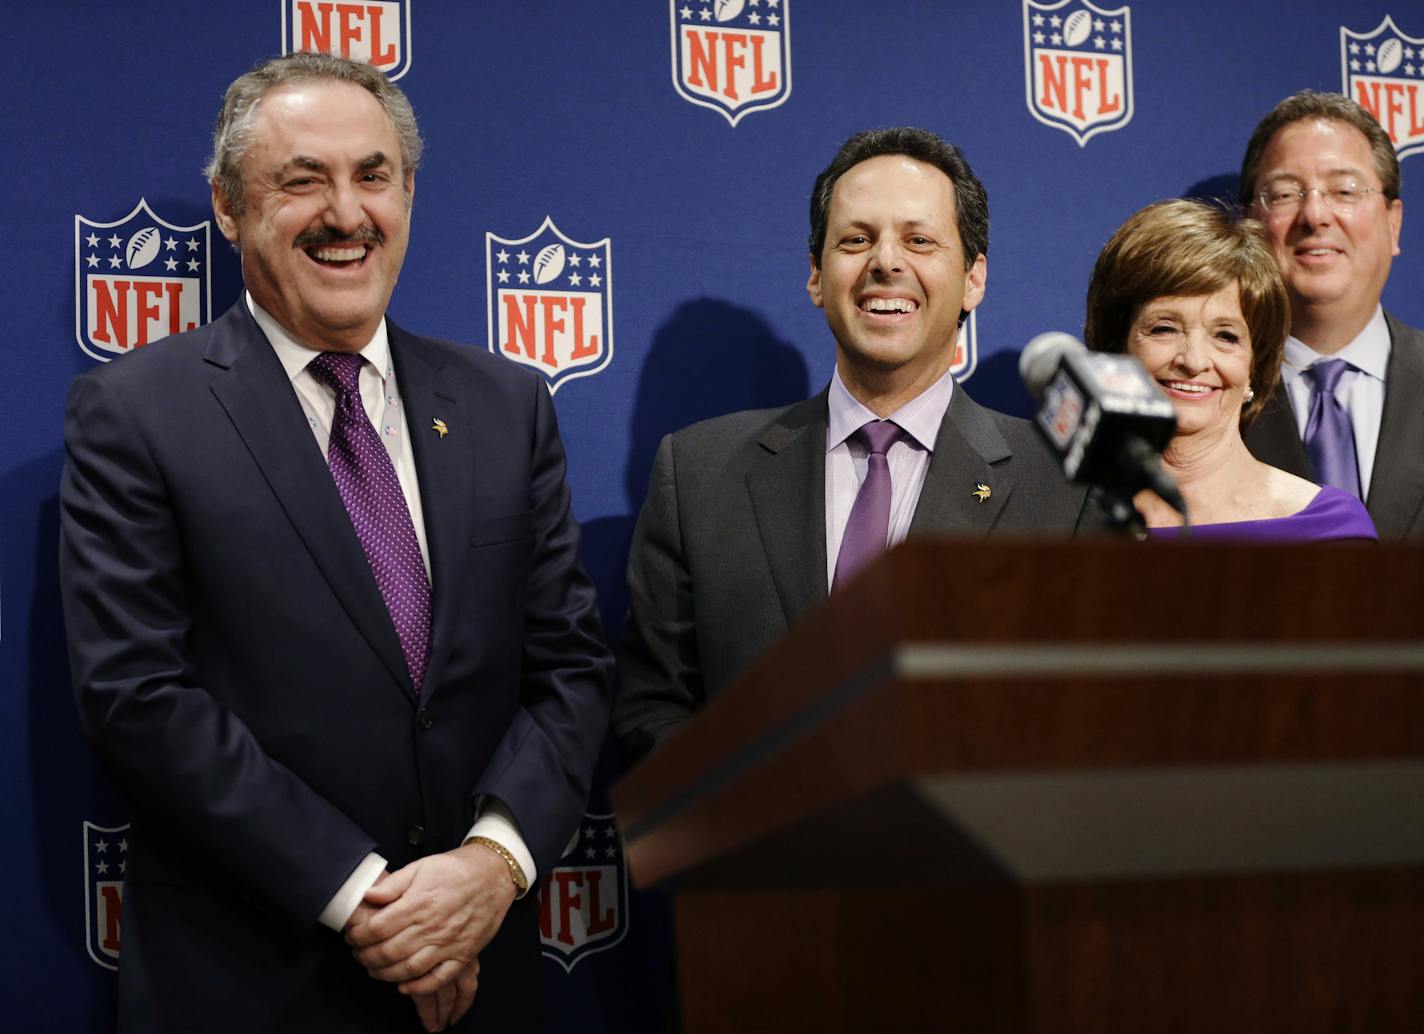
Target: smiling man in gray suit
x,y
752,518
1323,176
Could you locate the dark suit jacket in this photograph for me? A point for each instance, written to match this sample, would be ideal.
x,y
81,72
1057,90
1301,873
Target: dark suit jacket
x,y
238,673
730,548
1396,499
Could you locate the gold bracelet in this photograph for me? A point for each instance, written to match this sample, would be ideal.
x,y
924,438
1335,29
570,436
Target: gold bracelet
x,y
516,873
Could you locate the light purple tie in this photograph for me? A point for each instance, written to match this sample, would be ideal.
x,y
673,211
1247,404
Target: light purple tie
x,y
868,527
367,481
1329,435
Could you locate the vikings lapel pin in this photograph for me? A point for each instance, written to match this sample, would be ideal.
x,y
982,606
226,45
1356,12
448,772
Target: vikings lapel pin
x,y
982,492
440,428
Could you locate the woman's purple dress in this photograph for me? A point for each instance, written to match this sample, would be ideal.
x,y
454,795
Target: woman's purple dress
x,y
1332,516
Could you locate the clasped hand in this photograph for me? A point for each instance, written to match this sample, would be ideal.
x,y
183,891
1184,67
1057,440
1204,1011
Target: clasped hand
x,y
423,927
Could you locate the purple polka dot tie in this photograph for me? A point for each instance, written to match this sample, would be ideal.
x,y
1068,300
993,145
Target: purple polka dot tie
x,y
367,481
1329,435
868,526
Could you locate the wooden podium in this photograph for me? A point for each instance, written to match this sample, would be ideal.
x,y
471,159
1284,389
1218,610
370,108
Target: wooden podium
x,y
1029,787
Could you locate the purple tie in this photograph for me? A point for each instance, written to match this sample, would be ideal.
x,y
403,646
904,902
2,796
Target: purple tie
x,y
868,527
1329,436
367,481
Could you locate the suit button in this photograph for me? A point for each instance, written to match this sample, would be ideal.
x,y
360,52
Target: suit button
x,y
415,836
424,718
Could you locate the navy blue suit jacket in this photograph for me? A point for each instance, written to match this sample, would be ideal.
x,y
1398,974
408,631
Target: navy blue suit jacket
x,y
238,673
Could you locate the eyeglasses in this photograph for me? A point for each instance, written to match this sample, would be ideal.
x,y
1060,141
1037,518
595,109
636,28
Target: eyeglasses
x,y
1342,196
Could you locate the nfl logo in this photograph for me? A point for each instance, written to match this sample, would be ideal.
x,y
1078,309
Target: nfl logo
x,y
374,31
138,279
733,56
1078,66
1384,71
966,350
105,860
583,902
550,302
1061,412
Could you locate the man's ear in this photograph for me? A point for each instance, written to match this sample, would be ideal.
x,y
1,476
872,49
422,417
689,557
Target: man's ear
x,y
227,222
813,285
976,279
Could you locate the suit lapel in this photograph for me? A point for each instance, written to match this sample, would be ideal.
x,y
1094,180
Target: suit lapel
x,y
788,492
1274,437
445,466
254,392
966,449
1397,481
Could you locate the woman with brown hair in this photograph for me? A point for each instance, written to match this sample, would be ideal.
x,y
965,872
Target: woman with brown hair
x,y
1195,295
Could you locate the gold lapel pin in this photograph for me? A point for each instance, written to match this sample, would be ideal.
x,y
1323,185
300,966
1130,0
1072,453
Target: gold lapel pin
x,y
982,492
440,428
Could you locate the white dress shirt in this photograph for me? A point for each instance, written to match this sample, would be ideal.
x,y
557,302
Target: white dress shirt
x,y
1360,391
381,399
908,459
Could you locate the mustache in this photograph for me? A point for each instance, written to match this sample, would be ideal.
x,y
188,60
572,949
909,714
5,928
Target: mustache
x,y
327,235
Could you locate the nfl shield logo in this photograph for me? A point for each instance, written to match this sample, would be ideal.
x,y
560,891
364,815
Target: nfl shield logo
x,y
733,56
105,860
550,302
1078,66
138,279
583,902
1384,71
374,31
966,350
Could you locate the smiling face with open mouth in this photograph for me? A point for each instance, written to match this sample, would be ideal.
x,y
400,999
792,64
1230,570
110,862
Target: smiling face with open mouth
x,y
891,277
1198,349
1335,263
326,218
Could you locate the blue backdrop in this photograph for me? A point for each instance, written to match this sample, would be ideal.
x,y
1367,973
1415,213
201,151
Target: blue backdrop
x,y
643,168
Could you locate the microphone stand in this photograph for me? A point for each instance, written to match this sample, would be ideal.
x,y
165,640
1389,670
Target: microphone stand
x,y
1138,466
1121,514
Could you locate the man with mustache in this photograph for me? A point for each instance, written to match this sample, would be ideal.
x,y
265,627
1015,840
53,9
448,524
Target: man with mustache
x,y
1323,176
327,624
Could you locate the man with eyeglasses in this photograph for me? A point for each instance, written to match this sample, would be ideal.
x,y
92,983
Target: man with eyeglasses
x,y
1323,176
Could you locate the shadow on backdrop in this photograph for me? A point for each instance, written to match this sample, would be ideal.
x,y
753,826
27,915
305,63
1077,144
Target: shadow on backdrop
x,y
708,358
65,784
1221,188
996,384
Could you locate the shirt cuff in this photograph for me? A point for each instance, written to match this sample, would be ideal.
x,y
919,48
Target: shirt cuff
x,y
339,909
497,823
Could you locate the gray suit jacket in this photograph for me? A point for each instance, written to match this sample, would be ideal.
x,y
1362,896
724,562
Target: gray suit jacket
x,y
1396,498
730,547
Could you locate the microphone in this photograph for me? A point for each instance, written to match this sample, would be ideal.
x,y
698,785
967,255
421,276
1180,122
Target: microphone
x,y
1105,419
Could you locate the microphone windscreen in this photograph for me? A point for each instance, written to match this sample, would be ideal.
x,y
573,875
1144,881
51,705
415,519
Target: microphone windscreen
x,y
1040,358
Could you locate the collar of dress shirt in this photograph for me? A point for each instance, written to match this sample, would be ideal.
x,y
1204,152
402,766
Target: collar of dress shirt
x,y
920,417
294,355
1369,352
